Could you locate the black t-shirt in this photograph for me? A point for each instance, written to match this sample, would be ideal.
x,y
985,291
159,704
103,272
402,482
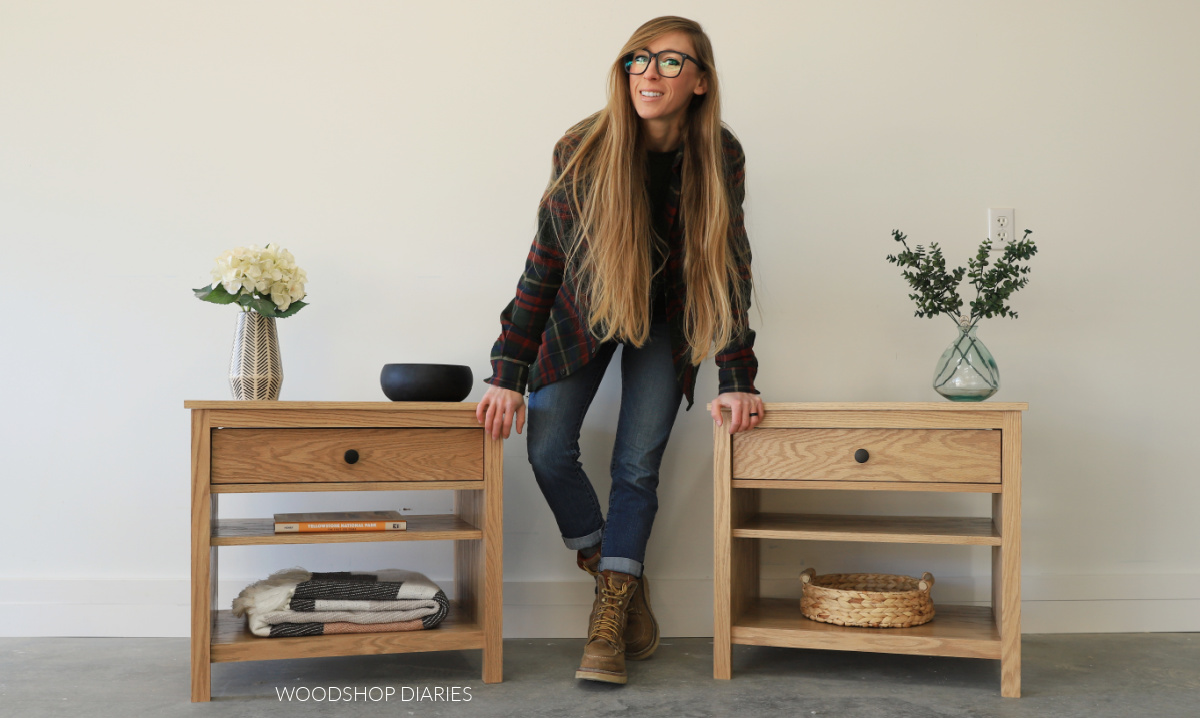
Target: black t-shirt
x,y
658,184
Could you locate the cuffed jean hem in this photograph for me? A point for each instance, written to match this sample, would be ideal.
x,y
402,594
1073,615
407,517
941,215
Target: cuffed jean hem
x,y
592,539
623,565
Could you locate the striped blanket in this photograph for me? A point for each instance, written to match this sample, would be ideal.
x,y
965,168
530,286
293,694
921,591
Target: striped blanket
x,y
296,602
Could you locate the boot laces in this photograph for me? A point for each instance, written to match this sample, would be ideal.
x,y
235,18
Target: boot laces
x,y
607,623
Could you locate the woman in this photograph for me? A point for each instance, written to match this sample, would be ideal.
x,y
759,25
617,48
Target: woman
x,y
641,243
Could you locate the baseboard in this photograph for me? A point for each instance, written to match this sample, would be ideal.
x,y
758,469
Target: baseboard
x,y
559,609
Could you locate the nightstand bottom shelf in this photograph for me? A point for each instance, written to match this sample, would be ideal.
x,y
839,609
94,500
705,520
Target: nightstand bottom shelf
x,y
233,641
956,630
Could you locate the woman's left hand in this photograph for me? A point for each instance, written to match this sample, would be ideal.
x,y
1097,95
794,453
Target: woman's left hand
x,y
745,410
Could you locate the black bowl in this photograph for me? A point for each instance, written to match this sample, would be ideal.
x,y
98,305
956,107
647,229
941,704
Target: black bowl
x,y
426,382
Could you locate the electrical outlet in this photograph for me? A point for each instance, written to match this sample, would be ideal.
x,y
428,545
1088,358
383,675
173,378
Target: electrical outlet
x,y
1001,221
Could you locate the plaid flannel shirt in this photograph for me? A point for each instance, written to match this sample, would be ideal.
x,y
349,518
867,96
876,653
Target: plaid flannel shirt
x,y
544,334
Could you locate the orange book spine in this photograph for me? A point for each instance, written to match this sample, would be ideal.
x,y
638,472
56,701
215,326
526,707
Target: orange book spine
x,y
318,526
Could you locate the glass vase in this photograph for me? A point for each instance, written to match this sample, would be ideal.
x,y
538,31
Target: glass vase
x,y
967,371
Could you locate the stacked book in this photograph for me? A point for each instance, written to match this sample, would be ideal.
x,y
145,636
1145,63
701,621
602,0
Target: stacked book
x,y
296,602
340,521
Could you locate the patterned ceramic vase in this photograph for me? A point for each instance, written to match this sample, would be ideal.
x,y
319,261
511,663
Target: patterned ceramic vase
x,y
966,371
255,371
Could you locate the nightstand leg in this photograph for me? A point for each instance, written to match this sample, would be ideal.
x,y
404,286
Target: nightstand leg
x,y
493,662
1006,558
1010,664
493,639
487,508
722,554
203,584
1006,605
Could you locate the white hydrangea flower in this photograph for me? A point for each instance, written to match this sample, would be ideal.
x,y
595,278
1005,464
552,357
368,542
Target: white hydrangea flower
x,y
295,290
281,296
270,272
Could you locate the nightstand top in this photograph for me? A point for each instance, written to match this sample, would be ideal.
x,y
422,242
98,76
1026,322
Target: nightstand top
x,y
336,405
893,406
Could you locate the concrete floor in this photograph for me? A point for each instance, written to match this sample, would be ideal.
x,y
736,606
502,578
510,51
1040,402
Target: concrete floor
x,y
1096,675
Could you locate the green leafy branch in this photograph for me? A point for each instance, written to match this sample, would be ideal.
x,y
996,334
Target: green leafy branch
x,y
936,289
248,302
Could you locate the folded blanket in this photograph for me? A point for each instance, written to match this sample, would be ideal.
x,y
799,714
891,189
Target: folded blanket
x,y
295,602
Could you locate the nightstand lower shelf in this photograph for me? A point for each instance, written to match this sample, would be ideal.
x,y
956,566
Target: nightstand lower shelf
x,y
962,631
233,641
876,529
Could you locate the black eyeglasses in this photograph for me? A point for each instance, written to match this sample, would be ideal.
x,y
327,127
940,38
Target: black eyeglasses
x,y
670,63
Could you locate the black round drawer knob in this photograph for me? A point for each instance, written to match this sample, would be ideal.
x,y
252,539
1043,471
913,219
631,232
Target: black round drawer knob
x,y
351,457
861,456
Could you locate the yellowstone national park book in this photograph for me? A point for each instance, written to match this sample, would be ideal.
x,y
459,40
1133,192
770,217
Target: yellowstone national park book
x,y
340,521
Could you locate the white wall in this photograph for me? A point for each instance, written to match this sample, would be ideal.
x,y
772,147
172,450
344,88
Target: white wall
x,y
398,149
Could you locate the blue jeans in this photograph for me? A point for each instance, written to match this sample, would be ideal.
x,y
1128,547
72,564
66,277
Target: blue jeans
x,y
650,398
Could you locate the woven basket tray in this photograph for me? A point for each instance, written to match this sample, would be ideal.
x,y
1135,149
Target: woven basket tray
x,y
873,600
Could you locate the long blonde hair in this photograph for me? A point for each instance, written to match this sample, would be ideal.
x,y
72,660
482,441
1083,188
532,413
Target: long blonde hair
x,y
610,250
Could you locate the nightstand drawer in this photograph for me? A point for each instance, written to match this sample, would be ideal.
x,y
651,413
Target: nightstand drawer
x,y
919,455
274,456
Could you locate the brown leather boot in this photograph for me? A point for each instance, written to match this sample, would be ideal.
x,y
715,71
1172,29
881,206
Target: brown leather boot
x,y
591,565
641,629
604,653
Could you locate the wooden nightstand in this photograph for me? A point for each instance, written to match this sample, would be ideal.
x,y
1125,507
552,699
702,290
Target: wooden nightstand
x,y
924,446
286,446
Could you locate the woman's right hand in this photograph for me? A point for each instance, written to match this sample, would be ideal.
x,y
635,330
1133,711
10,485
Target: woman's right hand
x,y
499,409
